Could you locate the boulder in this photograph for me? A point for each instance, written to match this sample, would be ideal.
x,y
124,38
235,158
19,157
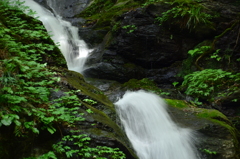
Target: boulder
x,y
216,136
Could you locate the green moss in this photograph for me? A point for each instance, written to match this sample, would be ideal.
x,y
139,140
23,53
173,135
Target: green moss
x,y
178,103
211,115
145,84
129,65
104,11
77,81
217,117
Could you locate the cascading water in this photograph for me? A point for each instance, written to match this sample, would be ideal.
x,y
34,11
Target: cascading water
x,y
144,117
63,33
151,130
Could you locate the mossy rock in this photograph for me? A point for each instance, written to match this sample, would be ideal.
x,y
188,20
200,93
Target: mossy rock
x,y
100,124
145,84
105,11
215,132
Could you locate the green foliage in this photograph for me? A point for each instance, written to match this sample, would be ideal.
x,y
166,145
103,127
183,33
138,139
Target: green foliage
x,y
203,49
148,2
82,148
175,84
145,84
216,56
208,84
90,101
186,14
27,82
116,26
104,12
207,151
130,28
199,50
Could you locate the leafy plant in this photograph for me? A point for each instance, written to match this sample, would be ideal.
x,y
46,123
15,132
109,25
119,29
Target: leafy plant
x,y
216,56
207,151
83,150
198,51
89,111
187,14
90,101
208,83
148,2
175,84
130,28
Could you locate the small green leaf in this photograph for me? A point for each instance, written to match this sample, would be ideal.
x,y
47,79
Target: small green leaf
x,y
175,83
51,130
6,121
35,130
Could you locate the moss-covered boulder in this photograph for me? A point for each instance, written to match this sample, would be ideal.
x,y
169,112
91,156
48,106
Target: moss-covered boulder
x,y
101,120
216,136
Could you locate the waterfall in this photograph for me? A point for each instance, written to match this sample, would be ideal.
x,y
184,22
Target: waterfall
x,y
146,122
151,130
63,34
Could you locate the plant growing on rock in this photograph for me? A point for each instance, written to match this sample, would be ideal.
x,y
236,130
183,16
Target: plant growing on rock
x,y
84,150
130,28
209,83
186,14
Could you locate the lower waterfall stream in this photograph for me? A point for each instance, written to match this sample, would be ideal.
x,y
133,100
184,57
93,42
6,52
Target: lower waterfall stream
x,y
150,129
146,122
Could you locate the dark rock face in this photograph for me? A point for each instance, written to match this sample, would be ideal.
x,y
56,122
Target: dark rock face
x,y
113,67
66,8
145,45
158,50
92,37
149,46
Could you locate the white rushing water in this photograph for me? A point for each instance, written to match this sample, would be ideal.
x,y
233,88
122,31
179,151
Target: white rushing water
x,y
63,33
151,130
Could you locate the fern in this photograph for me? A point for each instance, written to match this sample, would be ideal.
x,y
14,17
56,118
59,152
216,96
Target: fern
x,y
186,14
207,83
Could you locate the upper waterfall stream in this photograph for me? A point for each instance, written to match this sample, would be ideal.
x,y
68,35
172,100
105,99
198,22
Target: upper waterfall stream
x,y
151,130
65,35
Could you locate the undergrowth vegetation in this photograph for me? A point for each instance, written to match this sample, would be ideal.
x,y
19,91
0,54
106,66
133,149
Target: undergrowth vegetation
x,y
186,14
211,84
26,85
203,78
